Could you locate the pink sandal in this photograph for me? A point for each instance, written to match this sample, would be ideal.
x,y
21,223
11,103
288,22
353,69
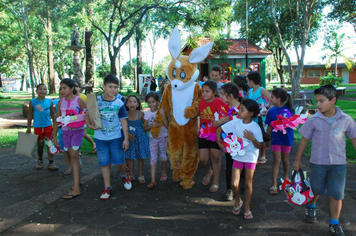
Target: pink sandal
x,y
163,178
151,185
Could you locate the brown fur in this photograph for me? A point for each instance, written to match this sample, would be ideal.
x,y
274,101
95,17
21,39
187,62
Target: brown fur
x,y
182,145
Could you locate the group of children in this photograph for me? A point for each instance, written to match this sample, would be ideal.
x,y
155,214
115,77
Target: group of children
x,y
327,129
123,139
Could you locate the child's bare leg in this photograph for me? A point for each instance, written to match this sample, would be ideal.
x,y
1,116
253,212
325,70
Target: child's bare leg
x,y
40,146
74,158
140,167
50,155
285,160
164,166
215,155
131,164
106,171
335,208
122,169
248,188
235,181
262,158
153,173
67,160
204,161
89,139
275,167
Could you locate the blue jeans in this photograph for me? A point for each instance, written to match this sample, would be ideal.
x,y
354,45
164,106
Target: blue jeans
x,y
329,179
110,151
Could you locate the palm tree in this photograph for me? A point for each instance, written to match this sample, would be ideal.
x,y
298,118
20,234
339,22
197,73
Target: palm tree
x,y
334,43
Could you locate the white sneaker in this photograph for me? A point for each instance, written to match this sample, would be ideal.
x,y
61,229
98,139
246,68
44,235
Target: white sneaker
x,y
39,164
127,182
106,194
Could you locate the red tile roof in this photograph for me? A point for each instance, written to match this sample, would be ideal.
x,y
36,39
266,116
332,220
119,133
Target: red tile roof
x,y
237,47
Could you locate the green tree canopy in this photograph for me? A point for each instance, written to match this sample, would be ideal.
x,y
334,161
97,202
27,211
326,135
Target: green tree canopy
x,y
127,71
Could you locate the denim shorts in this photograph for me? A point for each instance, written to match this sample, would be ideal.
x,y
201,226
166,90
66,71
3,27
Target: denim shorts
x,y
329,179
110,151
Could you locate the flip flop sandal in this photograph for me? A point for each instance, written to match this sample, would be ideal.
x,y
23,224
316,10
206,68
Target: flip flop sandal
x,y
273,191
206,181
70,196
68,172
214,188
163,178
132,178
248,215
151,185
262,161
141,180
237,210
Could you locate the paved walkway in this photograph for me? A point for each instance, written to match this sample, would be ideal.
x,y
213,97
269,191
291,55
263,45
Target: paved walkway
x,y
31,204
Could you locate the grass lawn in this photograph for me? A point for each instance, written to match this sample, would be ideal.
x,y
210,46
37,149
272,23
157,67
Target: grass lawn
x,y
5,112
8,139
11,103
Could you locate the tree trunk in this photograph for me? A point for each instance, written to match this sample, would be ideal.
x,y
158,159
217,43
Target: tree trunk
x,y
28,47
1,81
102,52
89,70
120,72
22,82
51,75
134,69
139,56
336,74
153,48
112,65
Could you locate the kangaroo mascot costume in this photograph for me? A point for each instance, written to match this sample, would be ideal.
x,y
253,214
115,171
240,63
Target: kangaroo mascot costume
x,y
180,104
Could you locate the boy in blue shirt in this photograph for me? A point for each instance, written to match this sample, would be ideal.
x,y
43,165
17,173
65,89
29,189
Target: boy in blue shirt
x,y
110,143
41,110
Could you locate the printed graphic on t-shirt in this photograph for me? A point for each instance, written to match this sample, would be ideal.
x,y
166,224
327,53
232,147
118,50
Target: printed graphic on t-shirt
x,y
151,119
40,108
108,131
109,112
207,114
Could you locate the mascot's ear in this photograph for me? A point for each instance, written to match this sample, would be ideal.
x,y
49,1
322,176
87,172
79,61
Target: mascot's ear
x,y
200,53
174,43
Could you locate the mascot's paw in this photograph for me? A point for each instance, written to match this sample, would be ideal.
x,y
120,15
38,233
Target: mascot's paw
x,y
187,183
176,176
190,112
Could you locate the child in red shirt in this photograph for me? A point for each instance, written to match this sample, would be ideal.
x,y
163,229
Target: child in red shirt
x,y
209,150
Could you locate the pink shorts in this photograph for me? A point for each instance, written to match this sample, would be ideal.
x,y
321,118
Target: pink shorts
x,y
240,165
281,148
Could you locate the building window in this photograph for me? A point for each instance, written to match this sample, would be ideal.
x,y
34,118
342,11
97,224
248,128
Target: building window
x,y
329,71
314,73
226,75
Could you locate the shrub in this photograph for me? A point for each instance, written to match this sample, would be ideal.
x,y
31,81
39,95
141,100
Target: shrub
x,y
330,80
